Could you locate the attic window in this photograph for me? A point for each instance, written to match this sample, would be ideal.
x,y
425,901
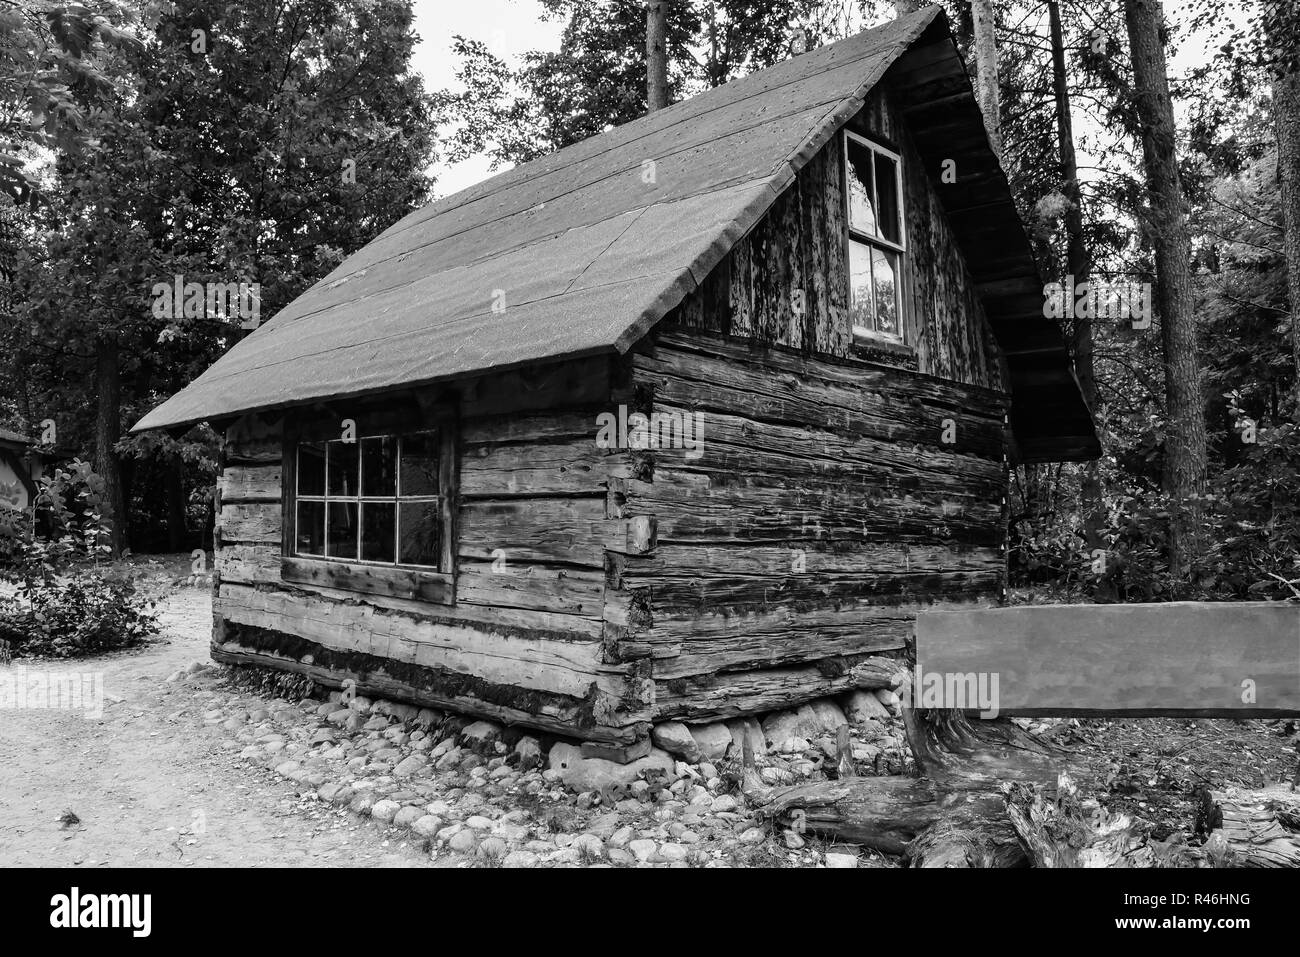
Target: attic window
x,y
372,511
876,238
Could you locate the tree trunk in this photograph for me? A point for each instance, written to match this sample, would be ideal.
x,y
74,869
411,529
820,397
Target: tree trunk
x,y
1078,266
177,535
108,428
1286,114
656,55
986,71
1185,455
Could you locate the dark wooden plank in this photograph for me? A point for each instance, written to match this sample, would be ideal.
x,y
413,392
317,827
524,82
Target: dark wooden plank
x,y
375,579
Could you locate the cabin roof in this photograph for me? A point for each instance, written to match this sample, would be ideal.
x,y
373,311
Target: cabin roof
x,y
583,251
12,439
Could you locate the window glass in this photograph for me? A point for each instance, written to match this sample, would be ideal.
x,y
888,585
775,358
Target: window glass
x,y
884,270
341,468
887,198
377,526
419,464
349,507
310,539
311,468
341,529
419,533
862,310
379,466
862,196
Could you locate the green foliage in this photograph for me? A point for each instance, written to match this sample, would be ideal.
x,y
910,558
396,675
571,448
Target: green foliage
x,y
63,525
232,164
74,615
64,605
50,78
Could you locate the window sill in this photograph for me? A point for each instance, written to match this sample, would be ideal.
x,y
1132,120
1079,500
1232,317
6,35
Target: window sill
x,y
412,583
885,349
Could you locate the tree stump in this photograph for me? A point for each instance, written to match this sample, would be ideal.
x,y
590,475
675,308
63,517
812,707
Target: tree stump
x,y
1251,828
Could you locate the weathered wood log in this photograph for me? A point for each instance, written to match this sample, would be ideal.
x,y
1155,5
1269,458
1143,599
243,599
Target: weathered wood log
x,y
1059,829
976,834
732,694
957,754
1251,828
884,813
896,814
953,816
966,758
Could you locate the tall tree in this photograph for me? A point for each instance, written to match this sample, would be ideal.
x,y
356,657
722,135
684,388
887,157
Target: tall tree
x,y
1282,22
1077,263
986,71
51,77
1185,445
260,143
656,55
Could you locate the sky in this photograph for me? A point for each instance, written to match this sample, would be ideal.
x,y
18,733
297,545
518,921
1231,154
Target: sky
x,y
510,28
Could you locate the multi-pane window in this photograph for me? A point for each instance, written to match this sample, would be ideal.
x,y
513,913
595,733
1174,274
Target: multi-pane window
x,y
376,499
876,246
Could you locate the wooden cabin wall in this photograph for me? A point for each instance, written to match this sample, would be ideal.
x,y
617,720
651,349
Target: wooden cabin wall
x,y
793,554
827,509
786,282
524,641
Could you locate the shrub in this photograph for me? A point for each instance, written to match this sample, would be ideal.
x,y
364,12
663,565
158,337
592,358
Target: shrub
x,y
73,615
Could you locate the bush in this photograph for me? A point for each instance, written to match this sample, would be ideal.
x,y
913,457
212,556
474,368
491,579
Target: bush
x,y
75,615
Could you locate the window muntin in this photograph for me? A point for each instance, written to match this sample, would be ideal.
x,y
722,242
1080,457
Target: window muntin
x,y
376,500
875,224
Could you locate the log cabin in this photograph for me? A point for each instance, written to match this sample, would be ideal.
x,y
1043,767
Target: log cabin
x,y
684,422
22,463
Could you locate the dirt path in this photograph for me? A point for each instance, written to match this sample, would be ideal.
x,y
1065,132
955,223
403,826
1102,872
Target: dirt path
x,y
152,784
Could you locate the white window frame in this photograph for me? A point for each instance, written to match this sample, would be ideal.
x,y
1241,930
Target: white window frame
x,y
854,235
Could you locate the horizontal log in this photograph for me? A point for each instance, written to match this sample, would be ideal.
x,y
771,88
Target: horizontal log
x,y
696,509
541,624
731,443
421,684
571,531
250,483
248,564
551,426
251,522
410,583
700,576
572,467
561,667
884,813
729,695
514,584
875,402
749,652
671,562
